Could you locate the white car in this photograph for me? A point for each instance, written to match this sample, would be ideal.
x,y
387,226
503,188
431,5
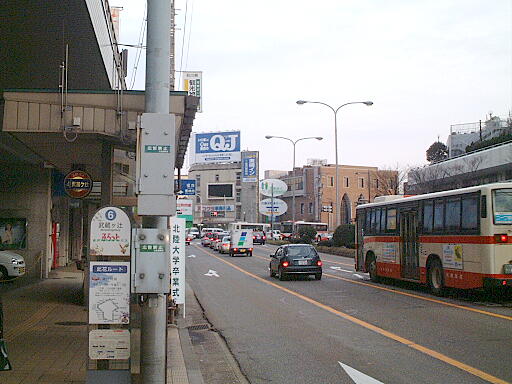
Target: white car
x,y
11,265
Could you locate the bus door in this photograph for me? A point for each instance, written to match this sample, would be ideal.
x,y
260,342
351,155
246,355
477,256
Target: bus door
x,y
409,244
359,240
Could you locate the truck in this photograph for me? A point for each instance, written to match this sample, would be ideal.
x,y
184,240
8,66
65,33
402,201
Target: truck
x,y
241,242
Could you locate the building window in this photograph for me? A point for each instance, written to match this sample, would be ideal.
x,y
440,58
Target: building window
x,y
300,185
238,196
198,181
377,183
345,182
310,207
361,182
216,178
301,208
238,175
238,212
332,181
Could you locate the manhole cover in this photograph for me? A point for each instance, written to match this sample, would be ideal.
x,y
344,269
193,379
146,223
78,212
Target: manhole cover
x,y
199,327
71,323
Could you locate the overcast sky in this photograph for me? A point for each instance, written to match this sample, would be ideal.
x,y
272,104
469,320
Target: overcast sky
x,y
425,64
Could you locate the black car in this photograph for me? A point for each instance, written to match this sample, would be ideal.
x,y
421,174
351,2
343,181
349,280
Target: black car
x,y
295,259
259,238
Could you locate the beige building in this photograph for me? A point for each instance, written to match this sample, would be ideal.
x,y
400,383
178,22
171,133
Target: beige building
x,y
315,191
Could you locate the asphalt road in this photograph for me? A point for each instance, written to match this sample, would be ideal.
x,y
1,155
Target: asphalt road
x,y
300,330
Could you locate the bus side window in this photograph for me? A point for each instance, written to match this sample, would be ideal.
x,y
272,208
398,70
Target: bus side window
x,y
439,215
470,212
428,216
391,220
483,207
368,226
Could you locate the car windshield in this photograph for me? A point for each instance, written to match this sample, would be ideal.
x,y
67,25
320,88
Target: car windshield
x,y
226,239
301,251
502,205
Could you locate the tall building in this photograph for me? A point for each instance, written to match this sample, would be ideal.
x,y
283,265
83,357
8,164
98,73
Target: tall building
x,y
224,193
315,191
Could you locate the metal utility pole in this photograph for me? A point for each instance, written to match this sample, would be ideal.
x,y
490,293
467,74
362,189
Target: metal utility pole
x,y
154,310
172,47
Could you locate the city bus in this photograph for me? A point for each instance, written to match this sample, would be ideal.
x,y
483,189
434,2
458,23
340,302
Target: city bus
x,y
289,228
460,238
261,227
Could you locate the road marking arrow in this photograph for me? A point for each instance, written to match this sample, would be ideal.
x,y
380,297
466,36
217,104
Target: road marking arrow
x,y
211,273
191,256
358,377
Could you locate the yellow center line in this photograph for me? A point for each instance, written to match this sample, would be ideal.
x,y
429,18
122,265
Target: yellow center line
x,y
463,307
436,355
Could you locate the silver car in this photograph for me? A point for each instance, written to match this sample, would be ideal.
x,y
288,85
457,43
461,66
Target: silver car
x,y
11,265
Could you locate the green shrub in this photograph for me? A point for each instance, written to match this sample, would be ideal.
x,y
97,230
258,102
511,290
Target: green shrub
x,y
307,234
294,240
325,243
345,236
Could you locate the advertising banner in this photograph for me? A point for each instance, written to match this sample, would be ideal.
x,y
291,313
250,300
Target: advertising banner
x,y
184,209
249,167
273,186
193,85
109,344
277,208
215,147
13,233
178,259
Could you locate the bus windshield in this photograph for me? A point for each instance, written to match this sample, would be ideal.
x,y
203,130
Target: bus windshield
x,y
502,203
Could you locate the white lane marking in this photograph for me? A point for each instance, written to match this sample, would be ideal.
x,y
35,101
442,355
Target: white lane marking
x,y
358,377
358,275
211,273
342,270
189,256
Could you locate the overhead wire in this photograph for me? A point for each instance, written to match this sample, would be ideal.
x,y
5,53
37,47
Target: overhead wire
x,y
189,32
183,40
142,35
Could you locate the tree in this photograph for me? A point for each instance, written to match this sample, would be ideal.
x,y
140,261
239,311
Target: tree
x,y
389,180
437,152
307,234
344,236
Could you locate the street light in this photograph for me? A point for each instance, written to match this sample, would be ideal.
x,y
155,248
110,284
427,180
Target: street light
x,y
335,111
294,142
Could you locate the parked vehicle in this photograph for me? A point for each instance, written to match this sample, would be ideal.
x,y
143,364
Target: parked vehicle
x,y
11,265
291,259
259,237
241,242
224,244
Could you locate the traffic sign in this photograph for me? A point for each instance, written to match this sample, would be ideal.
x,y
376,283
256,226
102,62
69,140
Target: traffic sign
x,y
273,187
110,233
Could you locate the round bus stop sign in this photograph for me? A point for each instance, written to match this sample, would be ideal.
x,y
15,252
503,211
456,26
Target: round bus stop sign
x,y
78,184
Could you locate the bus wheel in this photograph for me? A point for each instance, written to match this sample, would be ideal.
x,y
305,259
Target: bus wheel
x,y
372,269
435,277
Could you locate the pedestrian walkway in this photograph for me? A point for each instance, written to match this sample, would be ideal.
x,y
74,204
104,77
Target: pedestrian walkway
x,y
45,327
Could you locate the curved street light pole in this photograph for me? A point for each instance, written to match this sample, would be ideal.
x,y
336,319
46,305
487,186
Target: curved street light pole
x,y
335,111
294,142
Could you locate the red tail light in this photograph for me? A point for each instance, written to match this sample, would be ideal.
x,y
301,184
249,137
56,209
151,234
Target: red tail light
x,y
264,237
501,238
253,237
319,263
236,249
250,249
285,264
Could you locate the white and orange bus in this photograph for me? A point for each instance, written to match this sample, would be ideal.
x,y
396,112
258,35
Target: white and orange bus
x,y
460,238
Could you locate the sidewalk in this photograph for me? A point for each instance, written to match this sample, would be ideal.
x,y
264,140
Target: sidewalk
x,y
45,328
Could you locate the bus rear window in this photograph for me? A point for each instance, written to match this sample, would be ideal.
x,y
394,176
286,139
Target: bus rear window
x,y
502,206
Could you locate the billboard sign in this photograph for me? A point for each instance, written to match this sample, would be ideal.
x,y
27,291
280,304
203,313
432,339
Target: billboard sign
x,y
193,85
249,167
215,147
110,233
273,186
272,208
178,259
186,187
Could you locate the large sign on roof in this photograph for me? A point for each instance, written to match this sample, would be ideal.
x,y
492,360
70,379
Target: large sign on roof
x,y
215,147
